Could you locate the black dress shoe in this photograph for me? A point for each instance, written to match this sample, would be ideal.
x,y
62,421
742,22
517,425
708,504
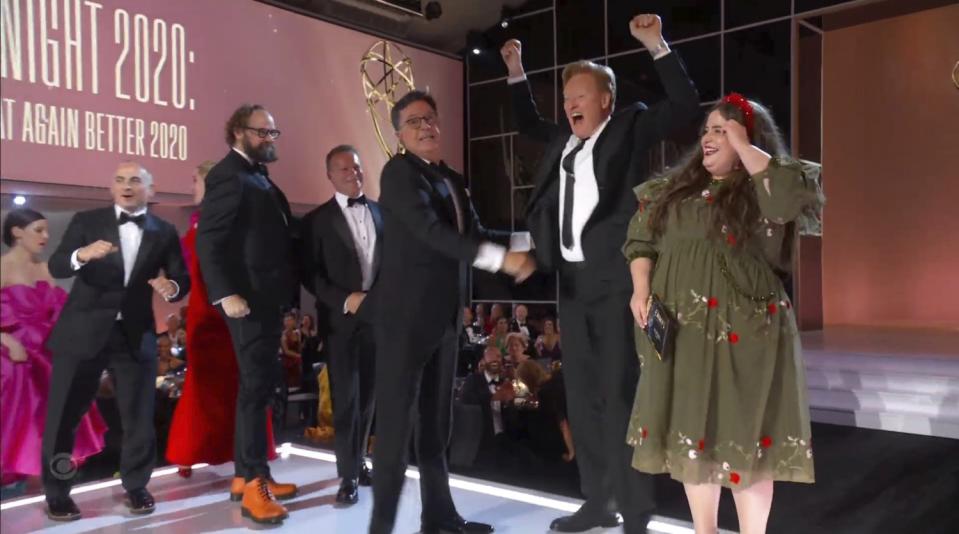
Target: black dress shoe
x,y
366,477
455,525
637,525
584,520
62,509
140,502
348,493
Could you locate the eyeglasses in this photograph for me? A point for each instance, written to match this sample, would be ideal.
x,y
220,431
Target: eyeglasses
x,y
262,133
417,122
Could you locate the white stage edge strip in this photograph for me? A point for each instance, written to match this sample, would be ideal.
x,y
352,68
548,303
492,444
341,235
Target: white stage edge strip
x,y
93,486
494,490
657,524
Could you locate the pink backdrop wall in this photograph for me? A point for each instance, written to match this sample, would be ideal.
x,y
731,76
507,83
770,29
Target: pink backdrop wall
x,y
306,72
890,141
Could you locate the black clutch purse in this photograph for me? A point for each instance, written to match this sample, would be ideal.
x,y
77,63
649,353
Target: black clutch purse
x,y
661,328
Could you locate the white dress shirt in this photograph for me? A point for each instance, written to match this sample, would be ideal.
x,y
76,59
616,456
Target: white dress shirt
x,y
585,192
360,221
131,235
495,406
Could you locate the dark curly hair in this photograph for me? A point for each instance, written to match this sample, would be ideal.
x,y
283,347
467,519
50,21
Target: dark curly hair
x,y
736,205
239,120
19,218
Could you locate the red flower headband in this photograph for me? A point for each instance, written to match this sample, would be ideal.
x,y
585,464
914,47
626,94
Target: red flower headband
x,y
740,102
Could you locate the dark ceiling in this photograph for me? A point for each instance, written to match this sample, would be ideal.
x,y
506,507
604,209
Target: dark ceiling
x,y
445,33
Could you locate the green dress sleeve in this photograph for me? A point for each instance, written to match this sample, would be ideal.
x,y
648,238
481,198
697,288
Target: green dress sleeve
x,y
785,192
640,242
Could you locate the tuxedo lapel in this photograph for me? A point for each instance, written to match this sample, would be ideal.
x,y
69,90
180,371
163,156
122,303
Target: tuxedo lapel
x,y
544,180
342,229
111,231
151,235
378,247
433,176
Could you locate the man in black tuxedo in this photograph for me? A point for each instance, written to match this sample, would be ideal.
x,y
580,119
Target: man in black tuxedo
x,y
116,255
578,216
343,242
432,236
244,247
520,323
492,391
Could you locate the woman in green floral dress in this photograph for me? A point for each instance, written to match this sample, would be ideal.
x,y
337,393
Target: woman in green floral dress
x,y
711,239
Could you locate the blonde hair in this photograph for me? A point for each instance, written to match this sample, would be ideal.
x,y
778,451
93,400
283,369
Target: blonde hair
x,y
604,76
517,335
204,168
532,374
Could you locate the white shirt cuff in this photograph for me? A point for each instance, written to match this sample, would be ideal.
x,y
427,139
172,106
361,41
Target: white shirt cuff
x,y
218,301
490,257
345,309
75,263
521,242
516,79
662,53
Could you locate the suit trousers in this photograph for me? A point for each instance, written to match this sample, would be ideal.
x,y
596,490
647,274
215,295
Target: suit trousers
x,y
414,396
352,355
256,340
601,372
73,386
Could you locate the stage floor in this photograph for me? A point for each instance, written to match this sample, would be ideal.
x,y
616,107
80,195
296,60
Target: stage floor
x,y
200,504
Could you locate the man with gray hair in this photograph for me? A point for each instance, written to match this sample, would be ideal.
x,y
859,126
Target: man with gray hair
x,y
119,257
578,216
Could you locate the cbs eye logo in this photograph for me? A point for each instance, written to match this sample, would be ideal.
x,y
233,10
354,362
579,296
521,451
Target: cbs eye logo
x,y
63,466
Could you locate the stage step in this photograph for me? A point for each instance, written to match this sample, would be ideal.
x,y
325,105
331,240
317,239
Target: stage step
x,y
916,393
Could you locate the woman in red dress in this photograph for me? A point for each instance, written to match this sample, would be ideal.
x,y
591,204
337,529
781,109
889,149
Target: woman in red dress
x,y
203,423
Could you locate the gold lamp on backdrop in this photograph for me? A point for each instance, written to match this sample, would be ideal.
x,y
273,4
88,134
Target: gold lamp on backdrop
x,y
387,75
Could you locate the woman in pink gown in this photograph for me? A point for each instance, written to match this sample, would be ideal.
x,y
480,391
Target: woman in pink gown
x,y
30,304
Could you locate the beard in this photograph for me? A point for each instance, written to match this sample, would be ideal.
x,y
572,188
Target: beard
x,y
265,153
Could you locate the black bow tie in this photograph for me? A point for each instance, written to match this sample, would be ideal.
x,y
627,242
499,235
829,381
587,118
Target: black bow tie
x,y
350,202
135,219
494,381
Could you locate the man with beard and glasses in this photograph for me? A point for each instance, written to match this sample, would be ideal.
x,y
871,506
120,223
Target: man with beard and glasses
x,y
244,246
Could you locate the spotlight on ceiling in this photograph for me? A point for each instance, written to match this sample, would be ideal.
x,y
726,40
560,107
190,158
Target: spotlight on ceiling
x,y
504,23
19,200
432,10
476,51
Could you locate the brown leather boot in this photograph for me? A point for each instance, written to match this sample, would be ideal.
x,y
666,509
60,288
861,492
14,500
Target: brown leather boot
x,y
236,489
259,503
282,491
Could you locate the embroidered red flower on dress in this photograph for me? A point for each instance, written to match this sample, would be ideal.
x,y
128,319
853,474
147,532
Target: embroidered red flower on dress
x,y
766,442
772,308
733,338
734,477
702,444
713,302
731,240
643,432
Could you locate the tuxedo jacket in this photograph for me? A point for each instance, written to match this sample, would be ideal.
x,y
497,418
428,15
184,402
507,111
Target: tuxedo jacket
x,y
476,392
421,287
331,264
98,293
620,162
244,236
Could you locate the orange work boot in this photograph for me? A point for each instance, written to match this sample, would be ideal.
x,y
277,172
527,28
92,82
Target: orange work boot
x,y
259,503
236,489
282,491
